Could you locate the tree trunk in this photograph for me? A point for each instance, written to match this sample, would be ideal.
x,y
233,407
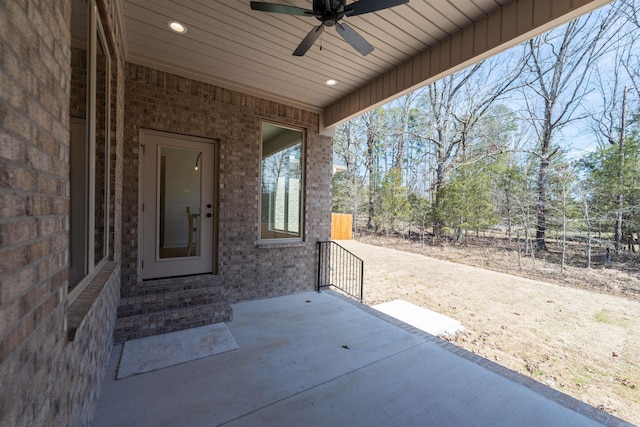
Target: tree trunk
x,y
622,136
518,246
564,240
618,228
439,201
586,218
541,206
509,225
372,183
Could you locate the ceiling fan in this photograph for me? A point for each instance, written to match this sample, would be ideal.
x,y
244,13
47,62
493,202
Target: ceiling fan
x,y
329,13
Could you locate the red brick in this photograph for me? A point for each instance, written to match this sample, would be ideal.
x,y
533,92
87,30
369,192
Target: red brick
x,y
15,70
11,313
47,184
46,267
38,250
39,205
59,243
33,299
12,259
16,284
15,232
14,337
12,93
60,278
50,225
60,205
46,308
11,148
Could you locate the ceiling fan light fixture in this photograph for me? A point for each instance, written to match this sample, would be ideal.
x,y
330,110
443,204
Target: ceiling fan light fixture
x,y
331,82
177,27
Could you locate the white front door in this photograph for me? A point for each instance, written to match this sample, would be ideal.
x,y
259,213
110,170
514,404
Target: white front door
x,y
177,205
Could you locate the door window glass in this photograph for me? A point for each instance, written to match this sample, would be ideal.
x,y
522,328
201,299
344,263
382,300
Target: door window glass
x,y
179,201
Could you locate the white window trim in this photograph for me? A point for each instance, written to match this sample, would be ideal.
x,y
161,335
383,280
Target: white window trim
x,y
262,242
95,31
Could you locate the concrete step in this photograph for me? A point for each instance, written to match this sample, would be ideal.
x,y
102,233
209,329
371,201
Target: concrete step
x,y
148,324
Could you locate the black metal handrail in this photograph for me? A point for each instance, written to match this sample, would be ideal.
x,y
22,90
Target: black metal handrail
x,y
340,268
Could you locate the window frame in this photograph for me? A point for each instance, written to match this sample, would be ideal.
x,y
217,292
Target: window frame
x,y
91,265
301,208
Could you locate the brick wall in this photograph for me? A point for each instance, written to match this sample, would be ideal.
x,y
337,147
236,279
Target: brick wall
x,y
167,102
45,379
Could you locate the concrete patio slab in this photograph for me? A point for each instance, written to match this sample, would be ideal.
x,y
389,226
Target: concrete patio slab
x,y
421,318
319,359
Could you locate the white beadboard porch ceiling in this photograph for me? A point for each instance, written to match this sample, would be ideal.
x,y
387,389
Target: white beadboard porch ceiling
x,y
233,46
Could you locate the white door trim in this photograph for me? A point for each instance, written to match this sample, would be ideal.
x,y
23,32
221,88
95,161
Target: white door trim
x,y
150,141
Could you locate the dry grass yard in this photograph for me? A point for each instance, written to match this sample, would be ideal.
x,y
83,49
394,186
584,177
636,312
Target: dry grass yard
x,y
582,342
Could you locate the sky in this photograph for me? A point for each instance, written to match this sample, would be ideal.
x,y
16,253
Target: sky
x,y
578,137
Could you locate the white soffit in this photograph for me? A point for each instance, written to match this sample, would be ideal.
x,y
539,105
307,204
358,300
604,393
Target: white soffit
x,y
230,45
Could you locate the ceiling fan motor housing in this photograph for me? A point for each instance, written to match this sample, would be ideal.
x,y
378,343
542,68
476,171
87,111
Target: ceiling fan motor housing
x,y
329,12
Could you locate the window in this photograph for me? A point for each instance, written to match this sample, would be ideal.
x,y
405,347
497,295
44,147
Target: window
x,y
282,183
89,145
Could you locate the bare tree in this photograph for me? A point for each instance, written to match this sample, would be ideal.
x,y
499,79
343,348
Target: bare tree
x,y
401,121
587,220
617,87
374,131
451,108
558,66
348,154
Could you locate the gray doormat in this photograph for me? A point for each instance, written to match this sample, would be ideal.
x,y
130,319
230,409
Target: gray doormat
x,y
161,351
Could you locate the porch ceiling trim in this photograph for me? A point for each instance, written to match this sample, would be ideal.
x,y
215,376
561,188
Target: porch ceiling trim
x,y
508,26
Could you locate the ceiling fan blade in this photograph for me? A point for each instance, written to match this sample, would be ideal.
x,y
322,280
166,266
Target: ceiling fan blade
x,y
308,41
280,8
354,39
367,6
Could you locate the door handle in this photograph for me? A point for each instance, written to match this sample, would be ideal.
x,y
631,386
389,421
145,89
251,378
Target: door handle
x,y
209,215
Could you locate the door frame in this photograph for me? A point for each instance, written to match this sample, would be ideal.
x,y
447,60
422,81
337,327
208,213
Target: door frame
x,y
215,142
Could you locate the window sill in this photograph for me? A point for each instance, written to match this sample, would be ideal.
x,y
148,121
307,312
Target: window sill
x,y
262,244
80,307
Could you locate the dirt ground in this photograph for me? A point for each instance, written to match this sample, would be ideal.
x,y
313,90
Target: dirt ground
x,y
582,342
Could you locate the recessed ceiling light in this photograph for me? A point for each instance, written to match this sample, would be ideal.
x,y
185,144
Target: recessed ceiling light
x,y
331,82
177,27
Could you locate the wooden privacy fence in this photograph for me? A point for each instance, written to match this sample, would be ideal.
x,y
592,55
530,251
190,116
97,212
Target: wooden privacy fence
x,y
341,226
